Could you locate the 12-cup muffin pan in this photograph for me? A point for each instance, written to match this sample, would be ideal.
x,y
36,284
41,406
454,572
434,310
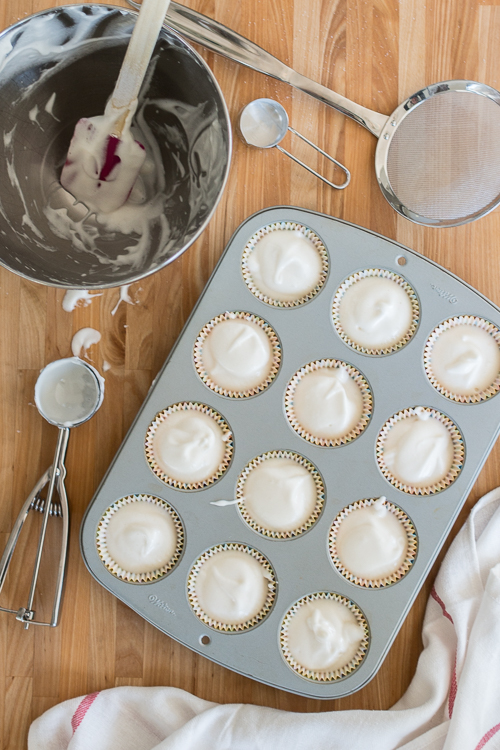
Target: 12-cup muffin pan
x,y
302,567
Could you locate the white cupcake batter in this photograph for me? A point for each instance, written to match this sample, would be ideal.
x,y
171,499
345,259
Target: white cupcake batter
x,y
324,635
141,537
371,542
465,359
188,446
231,587
375,312
328,403
237,354
418,450
285,265
280,494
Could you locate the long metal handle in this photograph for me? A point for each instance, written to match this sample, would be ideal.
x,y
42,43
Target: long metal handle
x,y
313,171
218,38
63,499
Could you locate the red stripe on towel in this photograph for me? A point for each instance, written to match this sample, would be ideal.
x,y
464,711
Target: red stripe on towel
x,y
436,596
453,683
82,709
488,736
453,688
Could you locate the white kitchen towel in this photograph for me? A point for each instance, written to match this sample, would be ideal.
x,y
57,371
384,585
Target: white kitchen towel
x,y
452,703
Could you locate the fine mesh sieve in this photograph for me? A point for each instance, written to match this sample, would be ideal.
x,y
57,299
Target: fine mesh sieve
x,y
438,160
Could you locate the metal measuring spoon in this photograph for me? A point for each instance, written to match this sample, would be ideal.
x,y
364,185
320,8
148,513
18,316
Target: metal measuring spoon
x,y
68,392
264,123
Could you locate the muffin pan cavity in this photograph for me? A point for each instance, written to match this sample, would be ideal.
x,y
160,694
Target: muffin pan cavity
x,y
311,470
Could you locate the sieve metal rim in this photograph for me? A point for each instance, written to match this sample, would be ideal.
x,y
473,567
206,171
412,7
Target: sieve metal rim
x,y
391,127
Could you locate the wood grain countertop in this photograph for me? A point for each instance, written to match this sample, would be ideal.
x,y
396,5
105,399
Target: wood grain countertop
x,y
376,52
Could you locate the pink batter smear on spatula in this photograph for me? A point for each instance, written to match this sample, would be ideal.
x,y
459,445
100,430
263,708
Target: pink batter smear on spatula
x,y
101,169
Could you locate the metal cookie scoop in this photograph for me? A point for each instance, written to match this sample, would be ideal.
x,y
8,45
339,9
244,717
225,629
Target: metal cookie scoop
x,y
68,392
264,123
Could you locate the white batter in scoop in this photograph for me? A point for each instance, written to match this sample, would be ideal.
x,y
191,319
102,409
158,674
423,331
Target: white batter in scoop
x,y
418,450
465,359
371,542
324,635
375,312
189,446
328,403
141,537
237,355
285,265
232,587
279,494
67,392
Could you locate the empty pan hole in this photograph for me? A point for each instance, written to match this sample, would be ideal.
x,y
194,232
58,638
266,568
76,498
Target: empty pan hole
x,y
205,640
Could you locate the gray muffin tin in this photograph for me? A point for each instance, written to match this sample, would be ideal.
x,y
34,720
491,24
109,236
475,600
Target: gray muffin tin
x,y
350,472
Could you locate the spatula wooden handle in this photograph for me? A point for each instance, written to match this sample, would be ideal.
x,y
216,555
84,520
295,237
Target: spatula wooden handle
x,y
142,43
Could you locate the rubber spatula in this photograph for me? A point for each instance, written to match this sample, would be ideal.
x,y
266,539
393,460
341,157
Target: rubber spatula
x,y
104,159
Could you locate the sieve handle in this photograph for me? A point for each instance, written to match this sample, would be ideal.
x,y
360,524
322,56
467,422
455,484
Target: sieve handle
x,y
222,40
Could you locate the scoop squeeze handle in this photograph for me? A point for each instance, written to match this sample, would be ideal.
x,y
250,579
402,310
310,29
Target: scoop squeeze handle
x,y
54,477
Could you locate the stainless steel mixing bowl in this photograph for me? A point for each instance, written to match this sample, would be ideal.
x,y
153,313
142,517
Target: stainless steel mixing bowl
x,y
60,65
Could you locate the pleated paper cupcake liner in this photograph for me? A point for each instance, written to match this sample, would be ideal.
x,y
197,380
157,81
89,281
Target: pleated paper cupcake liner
x,y
403,569
383,274
367,403
327,675
458,452
227,437
293,227
225,627
273,340
470,320
117,570
271,533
